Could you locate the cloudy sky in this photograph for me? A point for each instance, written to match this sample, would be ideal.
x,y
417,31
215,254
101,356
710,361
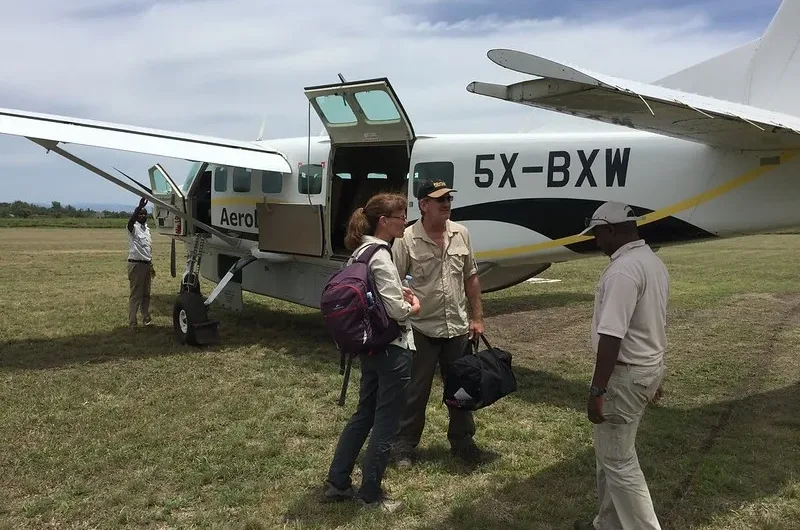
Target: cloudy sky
x,y
218,67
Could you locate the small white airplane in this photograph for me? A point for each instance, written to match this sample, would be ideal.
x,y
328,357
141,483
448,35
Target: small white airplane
x,y
709,151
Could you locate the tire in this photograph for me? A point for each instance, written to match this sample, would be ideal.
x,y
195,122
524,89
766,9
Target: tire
x,y
188,310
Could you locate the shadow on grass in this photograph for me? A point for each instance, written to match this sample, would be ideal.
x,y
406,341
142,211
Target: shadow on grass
x,y
532,301
735,453
295,333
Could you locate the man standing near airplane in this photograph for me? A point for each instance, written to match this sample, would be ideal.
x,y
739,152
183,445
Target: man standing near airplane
x,y
438,254
629,339
140,265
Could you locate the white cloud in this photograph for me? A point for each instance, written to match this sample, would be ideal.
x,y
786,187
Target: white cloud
x,y
217,67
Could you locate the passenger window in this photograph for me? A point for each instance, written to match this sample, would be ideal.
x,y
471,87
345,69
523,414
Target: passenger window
x,y
241,179
377,105
433,171
309,179
271,182
335,109
221,179
381,176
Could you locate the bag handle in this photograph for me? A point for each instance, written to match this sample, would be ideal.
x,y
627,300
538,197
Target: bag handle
x,y
474,343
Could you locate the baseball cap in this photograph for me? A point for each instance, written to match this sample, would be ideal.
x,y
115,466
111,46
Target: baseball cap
x,y
611,213
433,189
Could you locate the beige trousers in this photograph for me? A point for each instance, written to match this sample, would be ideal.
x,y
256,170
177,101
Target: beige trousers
x,y
139,278
623,496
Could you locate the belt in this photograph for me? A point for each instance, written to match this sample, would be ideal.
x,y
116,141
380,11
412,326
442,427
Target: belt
x,y
137,261
627,364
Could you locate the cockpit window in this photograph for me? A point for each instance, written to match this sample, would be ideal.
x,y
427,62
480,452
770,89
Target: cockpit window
x,y
190,176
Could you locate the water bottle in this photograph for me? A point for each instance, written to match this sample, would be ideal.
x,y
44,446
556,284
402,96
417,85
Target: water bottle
x,y
370,299
407,281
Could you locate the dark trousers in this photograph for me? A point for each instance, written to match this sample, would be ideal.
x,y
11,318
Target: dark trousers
x,y
430,352
385,378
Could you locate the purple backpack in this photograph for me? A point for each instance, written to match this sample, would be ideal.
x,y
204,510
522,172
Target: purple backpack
x,y
353,310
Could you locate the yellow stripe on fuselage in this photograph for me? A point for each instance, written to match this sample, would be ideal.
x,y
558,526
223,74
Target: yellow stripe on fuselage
x,y
648,218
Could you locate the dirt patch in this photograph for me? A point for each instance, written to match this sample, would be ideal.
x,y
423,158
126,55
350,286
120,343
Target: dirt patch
x,y
549,333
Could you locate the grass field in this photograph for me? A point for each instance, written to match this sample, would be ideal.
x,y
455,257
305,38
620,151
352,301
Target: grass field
x,y
64,222
108,428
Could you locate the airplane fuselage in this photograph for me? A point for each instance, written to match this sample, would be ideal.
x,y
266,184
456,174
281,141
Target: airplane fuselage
x,y
524,197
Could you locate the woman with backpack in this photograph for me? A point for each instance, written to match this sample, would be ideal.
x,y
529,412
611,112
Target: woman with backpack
x,y
385,374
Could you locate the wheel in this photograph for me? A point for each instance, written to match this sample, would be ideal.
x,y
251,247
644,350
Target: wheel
x,y
188,313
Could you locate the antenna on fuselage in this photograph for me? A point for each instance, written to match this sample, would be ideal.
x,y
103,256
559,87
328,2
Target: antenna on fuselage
x,y
261,130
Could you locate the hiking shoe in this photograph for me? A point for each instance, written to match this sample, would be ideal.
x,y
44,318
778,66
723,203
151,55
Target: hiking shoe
x,y
384,504
582,525
403,461
148,322
334,494
471,454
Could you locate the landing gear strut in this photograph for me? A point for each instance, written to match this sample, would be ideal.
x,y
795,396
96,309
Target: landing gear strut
x,y
190,320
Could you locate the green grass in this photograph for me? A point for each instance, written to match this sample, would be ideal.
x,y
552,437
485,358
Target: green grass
x,y
62,222
108,428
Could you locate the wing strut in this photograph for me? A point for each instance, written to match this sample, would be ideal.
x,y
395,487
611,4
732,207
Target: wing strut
x,y
53,146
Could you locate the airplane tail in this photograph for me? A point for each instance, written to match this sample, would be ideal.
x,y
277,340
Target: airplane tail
x,y
763,73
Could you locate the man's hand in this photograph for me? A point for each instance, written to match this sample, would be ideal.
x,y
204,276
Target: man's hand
x,y
415,307
594,409
475,329
408,295
142,203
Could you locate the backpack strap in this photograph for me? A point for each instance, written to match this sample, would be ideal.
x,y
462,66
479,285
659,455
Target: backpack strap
x,y
346,371
368,252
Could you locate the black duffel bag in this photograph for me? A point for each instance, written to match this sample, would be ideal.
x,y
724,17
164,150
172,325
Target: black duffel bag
x,y
479,378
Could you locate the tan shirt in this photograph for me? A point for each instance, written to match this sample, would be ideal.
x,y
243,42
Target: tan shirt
x,y
387,283
631,304
438,277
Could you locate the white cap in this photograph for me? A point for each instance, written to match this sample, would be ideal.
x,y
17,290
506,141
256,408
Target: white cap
x,y
610,212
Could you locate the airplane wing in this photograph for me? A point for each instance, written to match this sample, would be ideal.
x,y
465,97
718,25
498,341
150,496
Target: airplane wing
x,y
49,131
63,129
53,146
642,106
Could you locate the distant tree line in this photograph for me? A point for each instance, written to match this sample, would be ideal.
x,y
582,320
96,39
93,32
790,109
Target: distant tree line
x,y
24,210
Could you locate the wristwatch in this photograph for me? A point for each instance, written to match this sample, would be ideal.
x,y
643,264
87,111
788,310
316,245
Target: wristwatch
x,y
595,392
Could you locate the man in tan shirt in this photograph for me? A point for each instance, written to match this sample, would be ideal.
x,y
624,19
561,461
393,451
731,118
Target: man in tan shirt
x,y
629,340
438,255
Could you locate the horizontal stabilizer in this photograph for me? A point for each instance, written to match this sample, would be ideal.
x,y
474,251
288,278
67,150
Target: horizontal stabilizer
x,y
62,129
656,109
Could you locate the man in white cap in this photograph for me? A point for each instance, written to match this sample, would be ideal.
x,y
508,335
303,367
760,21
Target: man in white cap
x,y
629,339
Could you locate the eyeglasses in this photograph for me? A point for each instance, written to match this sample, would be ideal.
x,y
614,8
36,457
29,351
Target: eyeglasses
x,y
448,198
403,218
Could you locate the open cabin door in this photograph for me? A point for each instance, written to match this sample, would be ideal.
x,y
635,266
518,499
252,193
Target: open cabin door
x,y
371,138
164,189
361,112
